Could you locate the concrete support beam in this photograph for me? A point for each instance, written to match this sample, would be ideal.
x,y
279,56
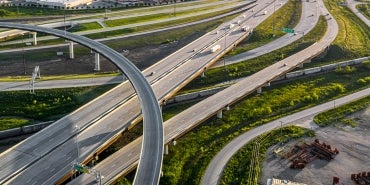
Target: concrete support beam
x,y
97,62
219,114
203,74
268,84
165,152
308,61
34,34
300,66
71,51
259,90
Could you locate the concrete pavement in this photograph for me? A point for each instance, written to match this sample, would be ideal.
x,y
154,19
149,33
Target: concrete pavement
x,y
352,6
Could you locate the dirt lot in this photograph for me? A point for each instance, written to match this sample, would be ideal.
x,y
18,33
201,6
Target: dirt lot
x,y
354,155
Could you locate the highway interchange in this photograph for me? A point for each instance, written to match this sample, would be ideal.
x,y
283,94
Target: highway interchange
x,y
177,131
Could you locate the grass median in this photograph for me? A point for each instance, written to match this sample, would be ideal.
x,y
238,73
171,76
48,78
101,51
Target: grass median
x,y
21,108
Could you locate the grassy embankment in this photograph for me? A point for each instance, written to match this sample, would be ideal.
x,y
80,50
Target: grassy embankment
x,y
338,113
353,40
364,9
21,108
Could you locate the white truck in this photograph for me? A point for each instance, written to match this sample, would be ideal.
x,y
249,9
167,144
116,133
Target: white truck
x,y
231,26
215,48
245,28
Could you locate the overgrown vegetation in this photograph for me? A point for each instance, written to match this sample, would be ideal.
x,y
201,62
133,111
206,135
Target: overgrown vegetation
x,y
187,161
339,113
12,122
44,105
239,168
353,40
364,9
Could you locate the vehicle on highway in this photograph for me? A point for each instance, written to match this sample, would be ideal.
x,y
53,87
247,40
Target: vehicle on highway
x,y
245,28
215,48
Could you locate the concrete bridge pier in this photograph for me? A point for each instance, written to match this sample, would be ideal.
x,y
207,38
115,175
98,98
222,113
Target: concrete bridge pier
x,y
97,62
300,65
165,152
267,84
259,90
71,51
34,34
219,114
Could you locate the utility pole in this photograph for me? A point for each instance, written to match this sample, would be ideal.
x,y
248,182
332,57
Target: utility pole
x,y
23,57
281,130
273,21
174,8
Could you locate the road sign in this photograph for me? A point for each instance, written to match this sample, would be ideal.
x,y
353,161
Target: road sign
x,y
288,30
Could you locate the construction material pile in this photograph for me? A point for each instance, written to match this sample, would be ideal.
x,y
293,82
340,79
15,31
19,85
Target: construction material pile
x,y
361,178
301,155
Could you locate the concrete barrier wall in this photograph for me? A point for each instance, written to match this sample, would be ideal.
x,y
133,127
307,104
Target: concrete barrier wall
x,y
312,70
29,129
294,74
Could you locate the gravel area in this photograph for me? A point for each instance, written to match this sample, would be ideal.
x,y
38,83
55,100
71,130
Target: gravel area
x,y
354,155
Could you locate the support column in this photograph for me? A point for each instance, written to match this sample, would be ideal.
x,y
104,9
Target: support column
x,y
308,61
300,66
203,74
268,84
71,52
219,114
97,62
165,150
259,90
34,34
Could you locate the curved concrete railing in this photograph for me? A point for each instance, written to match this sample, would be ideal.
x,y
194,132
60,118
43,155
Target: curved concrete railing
x,y
152,146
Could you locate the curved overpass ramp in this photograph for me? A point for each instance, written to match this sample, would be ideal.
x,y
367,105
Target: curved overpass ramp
x,y
152,146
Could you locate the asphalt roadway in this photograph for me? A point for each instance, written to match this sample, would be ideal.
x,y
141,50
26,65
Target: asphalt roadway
x,y
152,146
126,158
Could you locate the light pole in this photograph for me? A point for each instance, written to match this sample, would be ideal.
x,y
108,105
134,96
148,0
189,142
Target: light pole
x,y
174,8
78,147
225,48
23,57
273,21
281,130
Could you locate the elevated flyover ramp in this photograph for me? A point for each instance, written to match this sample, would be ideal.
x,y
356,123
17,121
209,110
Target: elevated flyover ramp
x,y
152,151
